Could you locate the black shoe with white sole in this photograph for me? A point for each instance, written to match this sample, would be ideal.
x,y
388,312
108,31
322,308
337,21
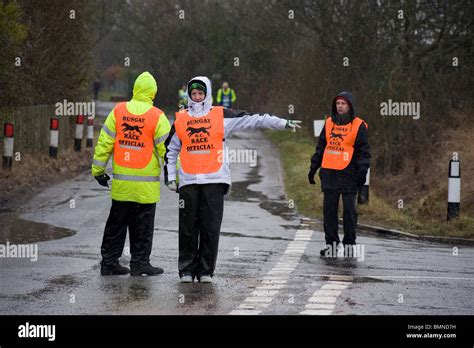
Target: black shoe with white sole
x,y
147,269
113,269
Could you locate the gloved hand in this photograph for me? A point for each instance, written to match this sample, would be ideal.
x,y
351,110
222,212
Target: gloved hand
x,y
103,179
293,124
311,174
172,185
361,179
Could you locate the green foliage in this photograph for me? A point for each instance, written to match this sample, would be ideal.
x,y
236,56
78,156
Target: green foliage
x,y
46,51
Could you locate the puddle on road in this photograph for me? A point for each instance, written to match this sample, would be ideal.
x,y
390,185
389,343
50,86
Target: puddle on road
x,y
89,196
99,190
236,234
239,192
371,280
16,230
64,280
348,277
67,200
240,235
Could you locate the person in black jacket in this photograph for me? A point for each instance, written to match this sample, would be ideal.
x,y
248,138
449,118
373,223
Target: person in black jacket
x,y
343,154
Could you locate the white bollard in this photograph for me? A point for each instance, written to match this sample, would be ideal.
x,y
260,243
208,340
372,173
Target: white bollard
x,y
54,140
90,132
318,127
8,146
454,188
79,132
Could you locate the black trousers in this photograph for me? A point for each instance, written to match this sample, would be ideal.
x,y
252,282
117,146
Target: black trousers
x,y
200,217
331,223
140,219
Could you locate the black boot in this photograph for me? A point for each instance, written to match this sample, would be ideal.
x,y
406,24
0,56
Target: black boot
x,y
113,269
350,251
147,269
323,252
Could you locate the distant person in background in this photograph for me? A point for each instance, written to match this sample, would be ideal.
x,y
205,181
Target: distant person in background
x,y
183,97
226,96
343,153
96,87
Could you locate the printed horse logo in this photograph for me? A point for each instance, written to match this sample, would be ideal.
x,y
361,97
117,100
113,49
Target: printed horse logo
x,y
192,130
128,128
337,135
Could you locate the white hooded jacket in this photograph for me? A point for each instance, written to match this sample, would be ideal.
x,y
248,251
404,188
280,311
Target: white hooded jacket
x,y
234,121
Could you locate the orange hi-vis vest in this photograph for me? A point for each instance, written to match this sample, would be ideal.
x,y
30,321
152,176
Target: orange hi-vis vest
x,y
340,143
201,141
134,140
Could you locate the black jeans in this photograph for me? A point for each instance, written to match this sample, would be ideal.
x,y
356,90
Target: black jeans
x,y
331,223
140,220
200,217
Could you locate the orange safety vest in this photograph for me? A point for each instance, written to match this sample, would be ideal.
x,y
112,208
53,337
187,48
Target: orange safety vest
x,y
201,141
134,140
340,143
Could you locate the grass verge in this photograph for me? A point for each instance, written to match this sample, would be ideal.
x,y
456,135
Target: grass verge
x,y
296,151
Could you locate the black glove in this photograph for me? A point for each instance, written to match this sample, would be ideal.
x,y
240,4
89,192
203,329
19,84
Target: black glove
x,y
361,179
311,174
103,179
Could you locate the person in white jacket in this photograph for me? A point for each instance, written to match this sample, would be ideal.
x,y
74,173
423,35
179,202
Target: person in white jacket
x,y
198,138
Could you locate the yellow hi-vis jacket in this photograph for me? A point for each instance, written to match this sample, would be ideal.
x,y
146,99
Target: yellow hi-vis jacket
x,y
139,185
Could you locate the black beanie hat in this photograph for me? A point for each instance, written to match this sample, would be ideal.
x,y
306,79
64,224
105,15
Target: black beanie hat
x,y
197,84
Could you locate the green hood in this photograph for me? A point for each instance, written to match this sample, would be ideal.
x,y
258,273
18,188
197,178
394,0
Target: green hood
x,y
145,88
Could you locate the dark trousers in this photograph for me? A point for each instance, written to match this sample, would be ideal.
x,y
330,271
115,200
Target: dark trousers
x,y
200,217
331,223
140,219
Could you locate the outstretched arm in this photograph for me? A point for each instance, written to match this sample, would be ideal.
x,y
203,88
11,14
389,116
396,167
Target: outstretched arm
x,y
236,120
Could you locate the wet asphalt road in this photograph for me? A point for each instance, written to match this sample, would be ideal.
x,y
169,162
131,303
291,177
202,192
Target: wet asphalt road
x,y
268,261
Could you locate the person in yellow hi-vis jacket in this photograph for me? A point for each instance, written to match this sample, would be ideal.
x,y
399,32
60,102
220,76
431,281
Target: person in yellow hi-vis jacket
x,y
134,133
226,96
183,97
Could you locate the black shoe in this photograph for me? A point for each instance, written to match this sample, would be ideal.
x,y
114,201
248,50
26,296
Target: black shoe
x,y
349,251
147,269
113,269
323,252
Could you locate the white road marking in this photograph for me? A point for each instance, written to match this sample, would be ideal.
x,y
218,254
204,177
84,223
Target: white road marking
x,y
259,299
277,277
319,306
323,300
271,286
324,292
253,305
245,312
264,292
332,286
388,276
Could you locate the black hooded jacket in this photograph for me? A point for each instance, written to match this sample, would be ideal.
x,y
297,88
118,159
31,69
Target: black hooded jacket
x,y
345,180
